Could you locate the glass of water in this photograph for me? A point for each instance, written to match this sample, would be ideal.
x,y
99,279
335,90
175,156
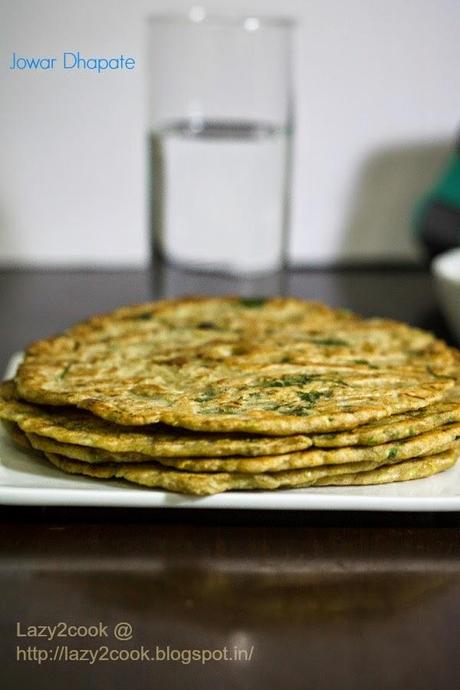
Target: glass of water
x,y
220,129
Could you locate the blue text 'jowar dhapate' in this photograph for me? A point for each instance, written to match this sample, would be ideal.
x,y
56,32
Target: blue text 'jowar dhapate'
x,y
71,61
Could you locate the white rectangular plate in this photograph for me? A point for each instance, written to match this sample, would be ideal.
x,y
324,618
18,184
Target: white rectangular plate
x,y
25,479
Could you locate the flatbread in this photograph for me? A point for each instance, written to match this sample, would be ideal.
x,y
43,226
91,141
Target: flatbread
x,y
394,428
81,428
15,433
74,426
424,444
401,472
155,476
274,367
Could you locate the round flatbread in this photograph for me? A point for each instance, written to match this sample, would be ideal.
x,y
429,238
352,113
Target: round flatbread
x,y
155,476
425,444
74,426
81,428
18,436
273,367
394,428
401,472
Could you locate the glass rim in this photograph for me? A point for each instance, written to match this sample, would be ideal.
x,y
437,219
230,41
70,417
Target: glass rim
x,y
203,18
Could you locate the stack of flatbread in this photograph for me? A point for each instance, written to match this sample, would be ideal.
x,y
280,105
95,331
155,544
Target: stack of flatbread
x,y
204,395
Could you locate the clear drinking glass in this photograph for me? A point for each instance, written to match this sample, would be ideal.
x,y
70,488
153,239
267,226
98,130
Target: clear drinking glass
x,y
220,128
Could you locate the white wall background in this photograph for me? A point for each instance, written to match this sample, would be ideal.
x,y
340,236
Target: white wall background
x,y
378,103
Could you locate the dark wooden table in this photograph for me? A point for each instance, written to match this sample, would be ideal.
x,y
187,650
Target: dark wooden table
x,y
323,600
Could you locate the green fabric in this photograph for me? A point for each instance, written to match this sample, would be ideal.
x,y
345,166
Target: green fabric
x,y
446,191
448,188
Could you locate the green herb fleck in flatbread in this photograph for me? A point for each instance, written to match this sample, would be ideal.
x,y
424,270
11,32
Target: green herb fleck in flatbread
x,y
253,302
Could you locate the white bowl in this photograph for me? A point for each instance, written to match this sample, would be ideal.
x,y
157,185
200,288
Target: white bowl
x,y
446,272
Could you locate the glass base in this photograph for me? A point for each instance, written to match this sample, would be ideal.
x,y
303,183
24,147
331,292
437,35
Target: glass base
x,y
168,281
